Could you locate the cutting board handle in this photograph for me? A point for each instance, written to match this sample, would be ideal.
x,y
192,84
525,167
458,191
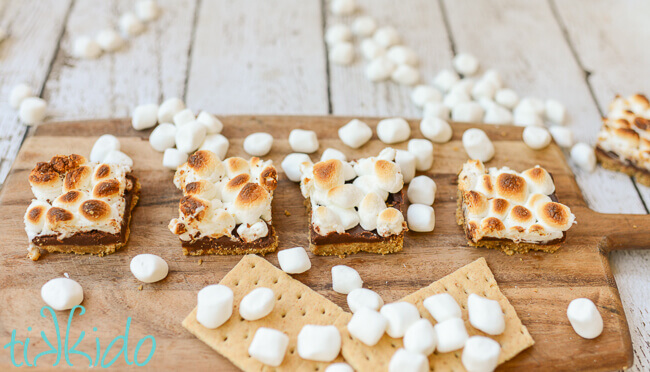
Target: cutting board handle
x,y
623,231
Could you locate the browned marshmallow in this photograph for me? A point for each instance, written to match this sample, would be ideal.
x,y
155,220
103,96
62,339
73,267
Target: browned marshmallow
x,y
512,187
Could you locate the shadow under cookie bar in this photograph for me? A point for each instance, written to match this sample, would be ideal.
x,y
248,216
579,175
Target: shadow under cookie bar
x,y
224,245
611,161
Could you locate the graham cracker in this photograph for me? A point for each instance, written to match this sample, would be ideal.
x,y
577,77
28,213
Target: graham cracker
x,y
475,277
296,306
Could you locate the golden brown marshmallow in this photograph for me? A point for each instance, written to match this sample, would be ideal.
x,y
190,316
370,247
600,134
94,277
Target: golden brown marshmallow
x,y
328,174
512,187
95,210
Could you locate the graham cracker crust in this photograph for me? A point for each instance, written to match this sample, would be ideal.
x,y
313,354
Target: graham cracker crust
x,y
610,163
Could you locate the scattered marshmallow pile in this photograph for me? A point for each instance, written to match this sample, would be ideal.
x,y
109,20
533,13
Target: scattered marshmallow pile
x,y
421,194
62,293
107,150
108,40
149,268
31,109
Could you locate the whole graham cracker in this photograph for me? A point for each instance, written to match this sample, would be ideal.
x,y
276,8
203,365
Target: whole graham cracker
x,y
475,277
296,306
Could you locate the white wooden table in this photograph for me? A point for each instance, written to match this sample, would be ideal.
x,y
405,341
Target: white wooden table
x,y
257,56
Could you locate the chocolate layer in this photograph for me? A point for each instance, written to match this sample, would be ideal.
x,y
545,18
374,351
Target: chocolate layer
x,y
625,162
227,242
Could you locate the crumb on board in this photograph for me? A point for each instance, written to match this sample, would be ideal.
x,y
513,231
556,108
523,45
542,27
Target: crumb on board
x,y
200,261
140,287
455,148
287,213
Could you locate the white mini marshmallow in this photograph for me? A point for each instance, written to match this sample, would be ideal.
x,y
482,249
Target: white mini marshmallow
x,y
525,118
294,260
337,33
465,64
304,141
339,367
386,36
109,40
291,165
18,93
562,136
451,334
144,116
190,137
445,79
421,218
183,117
531,104
405,75
406,162
422,190
485,315
269,346
467,112
442,307
420,338
423,151
436,110
117,157
583,156
400,316
331,153
169,108
507,98
379,69
86,48
402,55
364,26
130,24
393,130
258,144
211,123
483,89
555,111
455,98
32,110
149,268
423,94
404,360
536,138
214,306
464,85
371,50
368,326
62,293
342,53
257,304
147,10
585,318
481,354
478,145
355,133
163,137
343,7
363,297
173,158
495,114
104,144
494,77
436,129
319,343
345,279
216,143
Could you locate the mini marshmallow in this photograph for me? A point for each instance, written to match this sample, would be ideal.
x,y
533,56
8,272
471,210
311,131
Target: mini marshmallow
x,y
257,304
467,112
421,218
339,367
368,326
216,143
117,157
525,118
451,334
531,104
343,7
379,69
495,114
423,94
269,346
442,307
466,64
338,33
173,158
304,141
485,315
445,79
536,138
456,97
103,146
507,98
86,48
190,137
420,338
436,110
405,75
163,137
422,190
402,55
404,360
363,297
481,354
423,151
258,144
585,318
436,129
386,36
211,123
555,111
400,316
62,293
463,85
146,10
345,279
406,162
144,116
478,145
169,108
583,156
149,268
371,50
364,26
355,133
493,76
294,260
214,306
109,40
483,89
562,136
291,165
32,110
331,153
18,93
342,53
183,117
319,343
393,130
130,25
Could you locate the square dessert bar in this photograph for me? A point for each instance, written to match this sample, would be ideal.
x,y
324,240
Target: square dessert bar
x,y
226,206
80,207
624,140
515,212
355,206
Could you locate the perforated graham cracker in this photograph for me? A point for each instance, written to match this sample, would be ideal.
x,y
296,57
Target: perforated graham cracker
x,y
473,278
297,305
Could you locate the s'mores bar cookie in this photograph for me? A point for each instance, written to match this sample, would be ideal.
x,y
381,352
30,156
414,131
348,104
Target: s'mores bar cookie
x,y
515,212
355,206
226,206
80,206
624,140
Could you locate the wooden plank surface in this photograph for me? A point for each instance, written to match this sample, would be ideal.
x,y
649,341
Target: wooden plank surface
x,y
111,294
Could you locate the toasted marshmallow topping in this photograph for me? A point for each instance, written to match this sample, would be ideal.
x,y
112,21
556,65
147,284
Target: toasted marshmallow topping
x,y
501,203
220,197
346,194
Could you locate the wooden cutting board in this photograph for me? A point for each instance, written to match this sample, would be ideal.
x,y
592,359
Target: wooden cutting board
x,y
539,285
